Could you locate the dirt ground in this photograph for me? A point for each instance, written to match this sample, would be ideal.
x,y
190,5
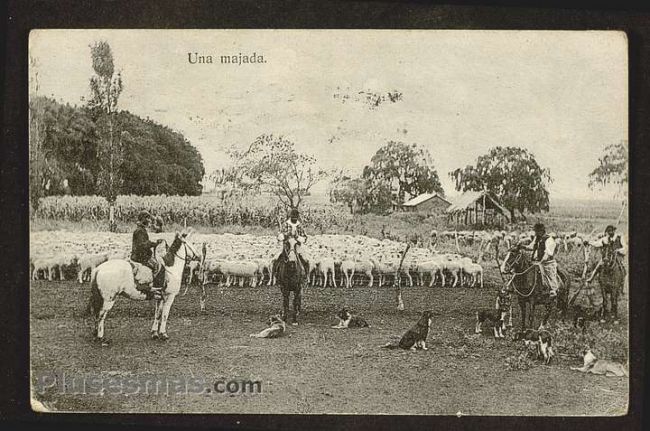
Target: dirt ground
x,y
314,369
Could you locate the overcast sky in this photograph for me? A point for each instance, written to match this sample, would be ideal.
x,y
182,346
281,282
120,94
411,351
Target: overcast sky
x,y
561,95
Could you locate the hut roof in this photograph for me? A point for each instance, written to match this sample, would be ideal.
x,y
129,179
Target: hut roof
x,y
467,199
422,198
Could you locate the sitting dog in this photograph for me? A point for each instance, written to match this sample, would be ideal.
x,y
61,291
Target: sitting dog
x,y
495,317
415,338
540,340
593,365
276,328
583,315
348,320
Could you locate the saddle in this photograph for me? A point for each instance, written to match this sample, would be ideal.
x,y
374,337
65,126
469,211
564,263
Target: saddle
x,y
143,275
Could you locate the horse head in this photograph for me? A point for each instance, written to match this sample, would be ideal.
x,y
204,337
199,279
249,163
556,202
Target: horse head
x,y
289,249
190,250
181,244
515,259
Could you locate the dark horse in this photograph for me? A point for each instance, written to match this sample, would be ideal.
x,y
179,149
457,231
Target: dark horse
x,y
611,276
291,278
527,284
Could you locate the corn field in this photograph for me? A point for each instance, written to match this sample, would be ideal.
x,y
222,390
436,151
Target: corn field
x,y
194,210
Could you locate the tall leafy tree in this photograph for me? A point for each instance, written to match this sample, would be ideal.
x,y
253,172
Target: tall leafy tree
x,y
273,163
359,194
106,87
512,175
36,142
612,168
407,167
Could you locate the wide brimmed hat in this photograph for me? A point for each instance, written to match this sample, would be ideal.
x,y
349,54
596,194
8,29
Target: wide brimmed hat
x,y
610,228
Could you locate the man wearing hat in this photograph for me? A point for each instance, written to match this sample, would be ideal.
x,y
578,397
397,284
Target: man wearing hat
x,y
611,245
141,252
293,228
543,247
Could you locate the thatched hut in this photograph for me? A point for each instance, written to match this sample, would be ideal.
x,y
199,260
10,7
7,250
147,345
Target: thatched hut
x,y
477,208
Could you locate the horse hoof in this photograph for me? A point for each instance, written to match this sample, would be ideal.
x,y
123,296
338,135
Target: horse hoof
x,y
164,336
154,335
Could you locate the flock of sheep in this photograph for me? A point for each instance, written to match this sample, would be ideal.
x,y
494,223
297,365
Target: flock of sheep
x,y
335,260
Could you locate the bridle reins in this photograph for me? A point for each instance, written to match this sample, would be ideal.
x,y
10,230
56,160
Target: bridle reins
x,y
518,274
185,260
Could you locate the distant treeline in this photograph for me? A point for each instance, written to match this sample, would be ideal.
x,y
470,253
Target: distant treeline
x,y
156,159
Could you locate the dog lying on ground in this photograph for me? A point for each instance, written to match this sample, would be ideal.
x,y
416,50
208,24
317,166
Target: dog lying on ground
x,y
495,317
415,338
540,340
276,328
348,320
593,365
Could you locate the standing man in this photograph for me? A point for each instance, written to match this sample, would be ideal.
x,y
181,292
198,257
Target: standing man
x,y
142,252
543,247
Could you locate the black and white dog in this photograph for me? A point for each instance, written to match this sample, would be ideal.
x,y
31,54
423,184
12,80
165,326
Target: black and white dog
x,y
496,317
348,320
540,341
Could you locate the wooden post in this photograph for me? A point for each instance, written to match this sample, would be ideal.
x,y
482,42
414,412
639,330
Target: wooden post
x,y
483,221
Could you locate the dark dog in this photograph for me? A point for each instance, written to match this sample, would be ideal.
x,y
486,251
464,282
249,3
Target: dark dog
x,y
540,340
415,338
495,317
583,315
348,320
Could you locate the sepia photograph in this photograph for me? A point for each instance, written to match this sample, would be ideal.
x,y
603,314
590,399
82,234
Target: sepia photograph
x,y
365,222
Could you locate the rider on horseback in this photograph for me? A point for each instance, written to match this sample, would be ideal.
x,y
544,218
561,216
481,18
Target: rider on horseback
x,y
612,245
141,252
543,248
292,228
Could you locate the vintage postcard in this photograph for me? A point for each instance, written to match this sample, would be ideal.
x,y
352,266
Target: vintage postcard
x,y
329,222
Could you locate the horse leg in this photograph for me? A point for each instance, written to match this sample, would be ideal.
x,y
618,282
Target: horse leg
x,y
285,303
203,297
510,316
531,316
522,307
614,303
101,319
157,314
166,307
296,306
547,314
603,292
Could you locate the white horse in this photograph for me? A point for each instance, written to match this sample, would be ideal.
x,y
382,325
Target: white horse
x,y
115,277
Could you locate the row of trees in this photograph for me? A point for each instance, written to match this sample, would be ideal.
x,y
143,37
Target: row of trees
x,y
399,171
98,149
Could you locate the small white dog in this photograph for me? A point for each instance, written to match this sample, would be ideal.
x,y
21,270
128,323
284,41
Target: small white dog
x,y
276,328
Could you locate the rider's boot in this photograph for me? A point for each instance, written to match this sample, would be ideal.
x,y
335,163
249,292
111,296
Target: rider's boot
x,y
150,291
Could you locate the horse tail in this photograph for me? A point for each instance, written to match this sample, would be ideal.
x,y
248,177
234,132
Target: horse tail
x,y
563,298
96,300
